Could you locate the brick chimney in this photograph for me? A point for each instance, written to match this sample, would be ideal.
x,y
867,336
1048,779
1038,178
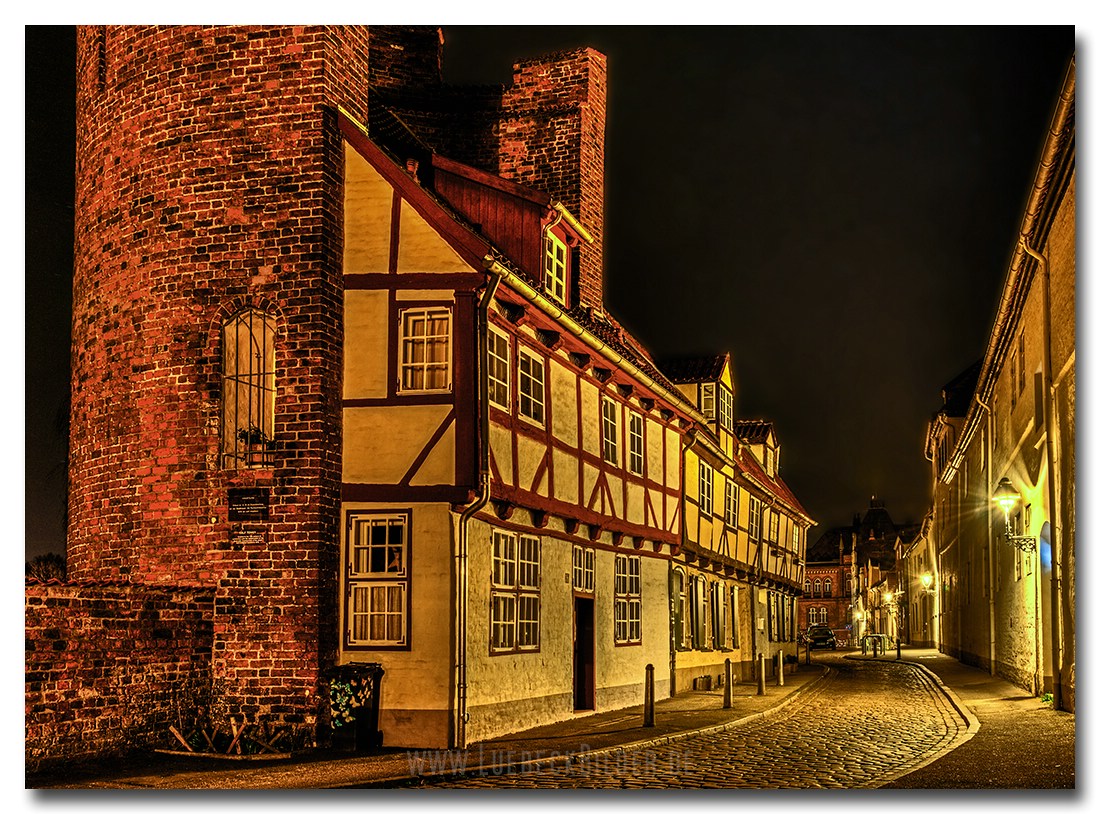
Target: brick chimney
x,y
551,136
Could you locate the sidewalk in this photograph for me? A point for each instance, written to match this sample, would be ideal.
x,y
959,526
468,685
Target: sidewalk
x,y
590,734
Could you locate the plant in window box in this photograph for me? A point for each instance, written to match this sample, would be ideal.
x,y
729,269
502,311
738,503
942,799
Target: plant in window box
x,y
256,442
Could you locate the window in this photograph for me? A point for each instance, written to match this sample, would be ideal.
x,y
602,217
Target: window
x,y
823,616
809,588
532,387
634,453
425,364
248,390
733,617
827,587
773,526
754,518
498,369
706,400
584,569
718,614
731,504
796,536
700,610
679,616
769,459
813,616
706,487
725,408
610,430
628,599
817,587
554,268
377,579
515,597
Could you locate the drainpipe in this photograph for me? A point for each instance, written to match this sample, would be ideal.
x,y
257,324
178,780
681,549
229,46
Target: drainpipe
x,y
991,571
1052,510
461,716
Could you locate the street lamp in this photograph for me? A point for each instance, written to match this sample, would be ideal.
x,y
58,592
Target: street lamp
x,y
926,582
1006,496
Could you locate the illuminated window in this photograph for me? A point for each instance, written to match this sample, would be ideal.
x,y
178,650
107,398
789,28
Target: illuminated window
x,y
425,364
628,599
634,453
554,267
706,488
610,431
532,387
248,390
376,611
514,598
498,369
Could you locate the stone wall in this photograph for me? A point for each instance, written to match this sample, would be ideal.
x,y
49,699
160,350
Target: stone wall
x,y
110,666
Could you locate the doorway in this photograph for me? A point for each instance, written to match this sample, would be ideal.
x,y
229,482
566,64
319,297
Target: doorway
x,y
584,653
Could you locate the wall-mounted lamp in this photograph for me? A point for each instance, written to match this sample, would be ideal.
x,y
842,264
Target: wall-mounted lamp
x,y
926,581
1006,496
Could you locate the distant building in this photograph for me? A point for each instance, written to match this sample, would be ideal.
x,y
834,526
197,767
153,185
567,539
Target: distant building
x,y
1003,458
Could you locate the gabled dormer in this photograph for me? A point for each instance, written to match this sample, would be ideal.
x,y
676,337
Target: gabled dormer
x,y
759,436
707,381
562,236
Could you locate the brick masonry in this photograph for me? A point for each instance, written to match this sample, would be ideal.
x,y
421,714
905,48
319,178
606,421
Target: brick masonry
x,y
111,666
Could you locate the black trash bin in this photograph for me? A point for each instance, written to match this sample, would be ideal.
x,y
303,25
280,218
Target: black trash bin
x,y
354,692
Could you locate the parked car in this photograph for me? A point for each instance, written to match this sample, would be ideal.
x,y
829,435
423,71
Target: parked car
x,y
820,636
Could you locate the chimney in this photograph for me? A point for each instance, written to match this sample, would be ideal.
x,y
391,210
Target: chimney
x,y
551,137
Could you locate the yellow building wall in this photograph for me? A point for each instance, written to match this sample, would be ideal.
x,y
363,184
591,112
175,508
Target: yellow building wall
x,y
368,200
366,344
381,443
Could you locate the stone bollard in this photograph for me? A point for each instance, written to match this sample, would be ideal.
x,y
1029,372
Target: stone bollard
x,y
727,695
648,720
779,670
874,647
760,675
898,640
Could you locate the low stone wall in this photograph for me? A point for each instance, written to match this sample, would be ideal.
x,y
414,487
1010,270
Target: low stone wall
x,y
110,666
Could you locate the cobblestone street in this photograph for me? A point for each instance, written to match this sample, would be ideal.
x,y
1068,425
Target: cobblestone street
x,y
868,723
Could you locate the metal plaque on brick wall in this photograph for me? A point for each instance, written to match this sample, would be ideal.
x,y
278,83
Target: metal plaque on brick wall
x,y
248,504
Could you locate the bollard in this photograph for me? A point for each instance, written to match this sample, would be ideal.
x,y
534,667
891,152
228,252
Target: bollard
x,y
898,640
779,672
727,695
760,675
863,645
874,647
648,719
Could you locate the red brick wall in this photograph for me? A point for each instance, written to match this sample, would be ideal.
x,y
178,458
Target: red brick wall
x,y
110,667
208,179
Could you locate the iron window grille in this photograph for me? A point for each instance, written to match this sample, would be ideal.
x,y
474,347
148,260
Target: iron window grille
x,y
248,390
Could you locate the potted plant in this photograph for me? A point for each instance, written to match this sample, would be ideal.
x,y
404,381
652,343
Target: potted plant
x,y
256,442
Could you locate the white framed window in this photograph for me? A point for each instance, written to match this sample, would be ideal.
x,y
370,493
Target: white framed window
x,y
584,569
725,408
498,369
628,599
635,445
823,616
532,387
376,596
515,595
555,267
706,400
773,526
248,390
754,518
610,411
813,616
425,350
706,487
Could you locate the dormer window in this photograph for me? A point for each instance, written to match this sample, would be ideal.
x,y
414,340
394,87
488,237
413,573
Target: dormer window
x,y
725,408
706,400
555,266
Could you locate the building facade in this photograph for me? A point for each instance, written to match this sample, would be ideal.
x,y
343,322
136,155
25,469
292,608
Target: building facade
x,y
342,364
1003,464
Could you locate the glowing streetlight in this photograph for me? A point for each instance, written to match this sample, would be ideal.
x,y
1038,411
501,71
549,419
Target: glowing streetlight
x,y
1007,496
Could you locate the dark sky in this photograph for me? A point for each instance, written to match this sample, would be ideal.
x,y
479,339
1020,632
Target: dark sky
x,y
835,206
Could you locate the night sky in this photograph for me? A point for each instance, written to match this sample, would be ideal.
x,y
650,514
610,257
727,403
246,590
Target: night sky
x,y
836,206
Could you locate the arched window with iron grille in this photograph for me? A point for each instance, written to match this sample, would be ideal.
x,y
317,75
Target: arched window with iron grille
x,y
248,390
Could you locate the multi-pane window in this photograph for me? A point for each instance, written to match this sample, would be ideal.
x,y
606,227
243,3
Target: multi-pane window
x,y
796,536
725,408
425,361
823,616
532,387
515,595
554,267
628,599
377,579
634,450
730,513
497,369
248,390
700,611
679,618
813,616
754,518
817,587
706,487
610,411
773,526
706,400
827,587
584,569
733,617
